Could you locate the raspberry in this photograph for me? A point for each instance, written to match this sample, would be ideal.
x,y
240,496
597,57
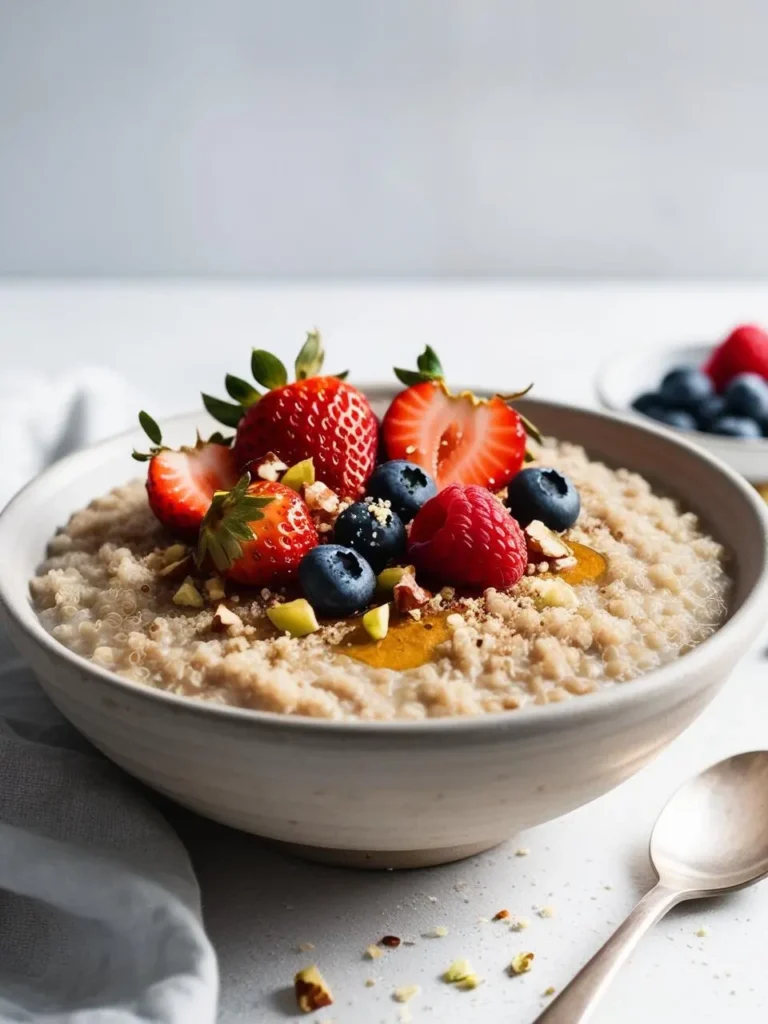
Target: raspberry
x,y
745,350
464,536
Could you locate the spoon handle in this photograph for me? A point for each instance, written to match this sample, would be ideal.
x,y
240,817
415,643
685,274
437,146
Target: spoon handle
x,y
577,1001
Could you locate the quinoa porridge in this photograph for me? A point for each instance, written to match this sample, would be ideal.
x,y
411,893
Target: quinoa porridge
x,y
109,590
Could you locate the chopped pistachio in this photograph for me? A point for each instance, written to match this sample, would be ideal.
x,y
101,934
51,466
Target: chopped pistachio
x,y
522,851
224,617
549,991
311,989
176,570
521,964
214,588
376,622
174,553
553,593
387,578
302,473
461,975
406,992
295,617
188,596
370,982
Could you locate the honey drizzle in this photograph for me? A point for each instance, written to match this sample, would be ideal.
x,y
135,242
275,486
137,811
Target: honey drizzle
x,y
408,644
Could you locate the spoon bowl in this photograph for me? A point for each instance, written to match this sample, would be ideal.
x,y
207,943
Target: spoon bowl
x,y
712,836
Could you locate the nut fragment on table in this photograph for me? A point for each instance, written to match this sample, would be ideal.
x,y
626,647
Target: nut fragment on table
x,y
521,964
461,974
405,992
373,952
311,989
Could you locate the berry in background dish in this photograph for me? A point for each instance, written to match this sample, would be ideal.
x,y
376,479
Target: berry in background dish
x,y
728,396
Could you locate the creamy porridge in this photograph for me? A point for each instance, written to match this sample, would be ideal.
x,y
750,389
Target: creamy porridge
x,y
109,590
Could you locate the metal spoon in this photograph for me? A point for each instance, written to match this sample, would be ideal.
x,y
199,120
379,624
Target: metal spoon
x,y
711,838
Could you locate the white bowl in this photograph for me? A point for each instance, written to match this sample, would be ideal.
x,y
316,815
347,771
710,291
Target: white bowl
x,y
621,380
391,794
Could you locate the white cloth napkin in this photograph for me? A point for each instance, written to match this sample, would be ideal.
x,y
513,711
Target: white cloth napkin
x,y
99,909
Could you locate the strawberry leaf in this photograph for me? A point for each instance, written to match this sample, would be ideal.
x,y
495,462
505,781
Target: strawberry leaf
x,y
218,438
141,456
342,376
241,390
150,428
267,369
226,413
226,526
410,377
429,365
310,359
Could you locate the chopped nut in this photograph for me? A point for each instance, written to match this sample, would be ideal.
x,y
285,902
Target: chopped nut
x,y
320,498
545,911
370,982
408,595
214,588
294,617
271,467
544,543
304,947
569,562
176,570
461,975
188,596
549,991
174,553
415,614
391,941
518,924
311,989
553,593
223,618
522,851
438,932
702,933
373,952
501,915
521,964
405,992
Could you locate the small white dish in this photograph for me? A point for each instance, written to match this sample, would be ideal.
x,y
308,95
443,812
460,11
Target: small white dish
x,y
621,380
392,794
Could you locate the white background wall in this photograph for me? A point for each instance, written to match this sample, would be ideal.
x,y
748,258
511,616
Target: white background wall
x,y
384,137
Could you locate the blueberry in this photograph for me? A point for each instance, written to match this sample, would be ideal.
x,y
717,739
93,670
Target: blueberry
x,y
736,426
709,410
337,581
674,418
685,388
377,533
647,401
404,484
543,494
747,395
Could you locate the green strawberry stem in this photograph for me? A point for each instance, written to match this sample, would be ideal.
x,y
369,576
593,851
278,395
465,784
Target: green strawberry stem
x,y
226,526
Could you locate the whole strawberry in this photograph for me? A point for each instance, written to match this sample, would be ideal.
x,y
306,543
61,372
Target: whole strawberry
x,y
456,438
181,482
465,537
745,350
257,533
318,417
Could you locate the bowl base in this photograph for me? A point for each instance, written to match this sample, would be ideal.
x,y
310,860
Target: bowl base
x,y
385,860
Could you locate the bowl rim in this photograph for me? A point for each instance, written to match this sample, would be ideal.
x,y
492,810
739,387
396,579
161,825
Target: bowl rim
x,y
746,445
526,720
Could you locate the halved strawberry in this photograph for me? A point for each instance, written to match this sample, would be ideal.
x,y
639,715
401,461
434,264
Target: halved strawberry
x,y
181,482
456,438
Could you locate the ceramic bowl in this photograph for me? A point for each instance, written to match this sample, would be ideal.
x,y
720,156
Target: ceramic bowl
x,y
392,794
621,380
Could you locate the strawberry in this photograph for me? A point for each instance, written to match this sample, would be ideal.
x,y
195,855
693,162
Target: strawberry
x,y
318,417
745,350
181,483
456,438
257,533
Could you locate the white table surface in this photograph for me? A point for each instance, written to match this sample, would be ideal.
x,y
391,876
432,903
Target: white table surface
x,y
171,340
